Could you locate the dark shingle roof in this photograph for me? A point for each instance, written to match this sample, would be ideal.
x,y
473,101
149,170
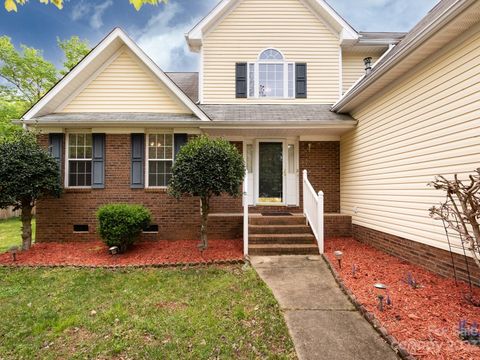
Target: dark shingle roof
x,y
114,118
274,112
187,82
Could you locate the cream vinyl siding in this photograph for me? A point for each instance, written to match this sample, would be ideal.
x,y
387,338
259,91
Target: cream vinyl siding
x,y
125,85
427,124
353,68
286,25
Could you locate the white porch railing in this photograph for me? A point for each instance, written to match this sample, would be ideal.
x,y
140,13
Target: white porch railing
x,y
245,214
313,210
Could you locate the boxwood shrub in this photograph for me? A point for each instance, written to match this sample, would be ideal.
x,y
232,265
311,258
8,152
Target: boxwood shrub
x,y
121,224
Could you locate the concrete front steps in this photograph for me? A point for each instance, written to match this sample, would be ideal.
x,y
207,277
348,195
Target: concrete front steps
x,y
280,235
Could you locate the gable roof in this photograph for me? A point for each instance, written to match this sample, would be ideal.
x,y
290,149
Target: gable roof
x,y
195,36
89,67
447,20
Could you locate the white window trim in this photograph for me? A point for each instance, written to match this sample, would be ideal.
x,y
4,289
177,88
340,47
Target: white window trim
x,y
147,158
67,160
256,64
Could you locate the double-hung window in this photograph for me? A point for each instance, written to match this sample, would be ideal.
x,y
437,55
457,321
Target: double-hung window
x,y
160,159
271,76
79,160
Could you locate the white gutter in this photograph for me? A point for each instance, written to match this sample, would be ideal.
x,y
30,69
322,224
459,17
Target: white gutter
x,y
216,124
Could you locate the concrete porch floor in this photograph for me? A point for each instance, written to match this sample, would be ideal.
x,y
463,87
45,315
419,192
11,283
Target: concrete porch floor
x,y
321,320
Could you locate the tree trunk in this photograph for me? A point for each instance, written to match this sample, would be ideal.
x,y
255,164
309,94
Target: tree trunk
x,y
26,226
204,209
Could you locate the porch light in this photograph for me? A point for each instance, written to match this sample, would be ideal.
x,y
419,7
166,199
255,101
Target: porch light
x,y
14,250
338,255
381,290
113,250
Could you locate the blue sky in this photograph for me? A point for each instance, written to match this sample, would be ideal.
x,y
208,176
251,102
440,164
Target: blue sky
x,y
159,29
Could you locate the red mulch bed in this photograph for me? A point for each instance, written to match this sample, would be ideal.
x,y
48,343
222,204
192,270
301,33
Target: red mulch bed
x,y
424,320
95,253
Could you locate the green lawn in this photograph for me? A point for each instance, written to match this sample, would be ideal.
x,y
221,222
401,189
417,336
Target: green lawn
x,y
203,313
11,234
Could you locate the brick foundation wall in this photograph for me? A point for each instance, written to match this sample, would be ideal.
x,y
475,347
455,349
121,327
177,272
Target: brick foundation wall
x,y
176,219
337,225
429,257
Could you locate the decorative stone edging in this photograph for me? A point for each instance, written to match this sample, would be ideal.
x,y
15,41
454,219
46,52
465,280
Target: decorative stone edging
x,y
369,316
127,266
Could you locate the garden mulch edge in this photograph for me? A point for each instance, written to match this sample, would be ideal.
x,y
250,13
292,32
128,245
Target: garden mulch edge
x,y
369,316
128,266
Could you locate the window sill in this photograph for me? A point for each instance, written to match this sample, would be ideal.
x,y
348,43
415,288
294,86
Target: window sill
x,y
156,190
271,98
78,190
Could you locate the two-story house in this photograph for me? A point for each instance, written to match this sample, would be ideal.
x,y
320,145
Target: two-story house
x,y
295,88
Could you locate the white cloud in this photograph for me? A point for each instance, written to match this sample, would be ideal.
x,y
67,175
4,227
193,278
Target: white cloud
x,y
163,38
80,10
383,15
83,10
96,20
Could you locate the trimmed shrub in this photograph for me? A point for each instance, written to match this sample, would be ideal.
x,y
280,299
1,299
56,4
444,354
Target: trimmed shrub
x,y
121,224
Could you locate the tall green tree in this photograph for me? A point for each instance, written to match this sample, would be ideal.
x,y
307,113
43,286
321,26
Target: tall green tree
x,y
12,106
74,50
11,5
30,76
26,70
205,168
27,173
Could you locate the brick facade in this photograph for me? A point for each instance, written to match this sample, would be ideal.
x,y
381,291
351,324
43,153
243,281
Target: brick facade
x,y
429,257
176,219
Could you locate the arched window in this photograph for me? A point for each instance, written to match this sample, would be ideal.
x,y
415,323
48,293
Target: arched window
x,y
270,54
271,76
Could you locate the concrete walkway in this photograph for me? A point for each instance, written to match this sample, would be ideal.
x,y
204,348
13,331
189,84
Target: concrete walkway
x,y
321,320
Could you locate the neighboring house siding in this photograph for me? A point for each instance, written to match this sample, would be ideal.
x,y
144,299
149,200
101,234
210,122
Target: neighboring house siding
x,y
426,124
353,68
285,25
125,85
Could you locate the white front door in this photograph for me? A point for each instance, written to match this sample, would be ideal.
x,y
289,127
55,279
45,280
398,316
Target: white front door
x,y
272,166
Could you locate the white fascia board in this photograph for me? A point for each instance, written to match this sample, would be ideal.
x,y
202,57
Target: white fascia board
x,y
117,33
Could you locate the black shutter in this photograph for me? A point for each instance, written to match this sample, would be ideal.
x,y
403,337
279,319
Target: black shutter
x,y
98,161
179,140
55,144
241,80
301,80
138,155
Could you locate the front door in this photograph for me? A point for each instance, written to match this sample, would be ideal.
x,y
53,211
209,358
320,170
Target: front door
x,y
270,172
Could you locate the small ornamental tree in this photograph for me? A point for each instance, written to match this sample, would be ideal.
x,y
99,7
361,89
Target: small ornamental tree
x,y
207,167
461,210
27,173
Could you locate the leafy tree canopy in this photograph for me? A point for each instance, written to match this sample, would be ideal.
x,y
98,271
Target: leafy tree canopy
x,y
74,50
26,70
207,167
27,173
11,5
30,76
